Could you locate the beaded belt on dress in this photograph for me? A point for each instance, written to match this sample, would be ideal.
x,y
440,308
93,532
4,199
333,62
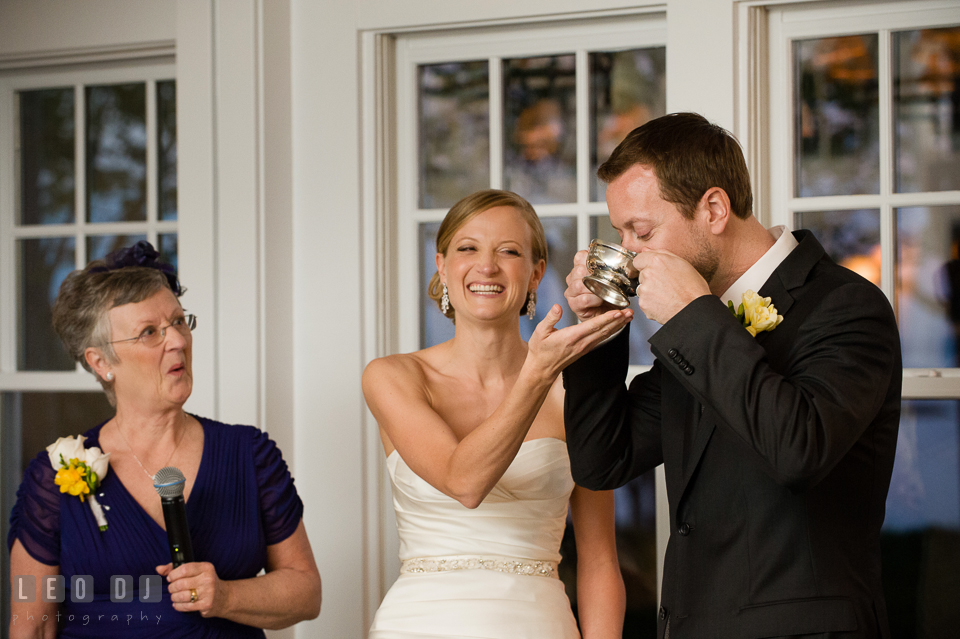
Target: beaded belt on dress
x,y
512,565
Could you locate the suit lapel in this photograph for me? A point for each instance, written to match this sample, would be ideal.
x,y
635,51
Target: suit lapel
x,y
793,271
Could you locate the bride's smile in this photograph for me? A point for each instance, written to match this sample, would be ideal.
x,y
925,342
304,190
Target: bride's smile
x,y
489,269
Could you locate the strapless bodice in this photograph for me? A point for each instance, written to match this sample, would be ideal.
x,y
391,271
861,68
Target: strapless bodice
x,y
523,516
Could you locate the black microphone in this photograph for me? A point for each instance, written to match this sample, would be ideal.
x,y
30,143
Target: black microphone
x,y
169,483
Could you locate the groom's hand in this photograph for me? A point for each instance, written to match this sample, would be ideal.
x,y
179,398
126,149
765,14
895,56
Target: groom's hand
x,y
580,299
667,284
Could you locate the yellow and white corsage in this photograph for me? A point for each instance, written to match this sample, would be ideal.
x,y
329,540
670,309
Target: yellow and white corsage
x,y
756,313
79,471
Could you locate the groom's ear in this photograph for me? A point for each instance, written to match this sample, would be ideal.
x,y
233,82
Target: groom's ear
x,y
715,208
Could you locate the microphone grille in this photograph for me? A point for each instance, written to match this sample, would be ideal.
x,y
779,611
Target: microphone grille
x,y
169,482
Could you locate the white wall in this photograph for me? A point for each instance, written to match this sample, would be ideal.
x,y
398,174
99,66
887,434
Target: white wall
x,y
327,304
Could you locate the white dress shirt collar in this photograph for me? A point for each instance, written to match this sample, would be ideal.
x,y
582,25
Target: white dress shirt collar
x,y
757,275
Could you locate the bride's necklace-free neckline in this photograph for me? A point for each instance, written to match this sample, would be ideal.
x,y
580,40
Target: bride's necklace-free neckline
x,y
137,459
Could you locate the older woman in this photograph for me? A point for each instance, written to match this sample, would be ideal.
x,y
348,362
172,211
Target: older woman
x,y
122,320
474,437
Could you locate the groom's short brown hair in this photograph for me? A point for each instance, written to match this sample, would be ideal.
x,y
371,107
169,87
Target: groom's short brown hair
x,y
689,155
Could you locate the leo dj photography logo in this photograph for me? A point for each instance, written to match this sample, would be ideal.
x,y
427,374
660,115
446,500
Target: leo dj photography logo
x,y
53,590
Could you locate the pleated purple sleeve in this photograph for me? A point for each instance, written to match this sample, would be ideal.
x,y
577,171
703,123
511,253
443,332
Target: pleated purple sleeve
x,y
280,507
35,519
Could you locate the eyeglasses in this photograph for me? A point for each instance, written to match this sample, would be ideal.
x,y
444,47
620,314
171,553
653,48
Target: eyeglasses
x,y
152,336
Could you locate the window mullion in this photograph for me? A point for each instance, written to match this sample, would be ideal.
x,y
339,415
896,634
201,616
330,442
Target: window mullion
x,y
9,148
583,125
583,146
888,235
885,82
48,381
496,122
583,230
98,228
80,175
152,161
888,239
80,179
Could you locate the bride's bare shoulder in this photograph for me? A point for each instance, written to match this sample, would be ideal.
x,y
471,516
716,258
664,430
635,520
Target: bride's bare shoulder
x,y
403,369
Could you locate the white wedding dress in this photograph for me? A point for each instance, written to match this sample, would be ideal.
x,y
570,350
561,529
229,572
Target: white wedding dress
x,y
484,573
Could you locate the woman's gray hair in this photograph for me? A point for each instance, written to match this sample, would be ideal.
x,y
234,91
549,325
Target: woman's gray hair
x,y
80,313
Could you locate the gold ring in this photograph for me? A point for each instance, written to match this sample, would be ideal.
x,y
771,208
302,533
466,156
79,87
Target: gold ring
x,y
193,595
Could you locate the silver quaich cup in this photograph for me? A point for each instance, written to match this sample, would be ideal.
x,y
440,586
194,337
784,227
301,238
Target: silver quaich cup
x,y
612,278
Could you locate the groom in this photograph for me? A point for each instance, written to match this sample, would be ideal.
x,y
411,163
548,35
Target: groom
x,y
778,448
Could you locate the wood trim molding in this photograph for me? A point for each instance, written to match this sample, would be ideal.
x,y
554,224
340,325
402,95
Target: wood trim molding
x,y
139,51
378,184
752,102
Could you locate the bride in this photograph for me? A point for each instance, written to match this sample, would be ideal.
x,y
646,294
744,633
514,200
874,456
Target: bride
x,y
473,432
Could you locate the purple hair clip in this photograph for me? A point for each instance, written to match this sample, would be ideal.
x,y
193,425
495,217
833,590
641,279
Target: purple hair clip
x,y
140,254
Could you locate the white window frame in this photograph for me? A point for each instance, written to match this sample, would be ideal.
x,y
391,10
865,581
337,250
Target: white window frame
x,y
77,380
640,30
796,22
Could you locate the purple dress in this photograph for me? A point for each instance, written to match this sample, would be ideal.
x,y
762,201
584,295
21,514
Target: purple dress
x,y
243,500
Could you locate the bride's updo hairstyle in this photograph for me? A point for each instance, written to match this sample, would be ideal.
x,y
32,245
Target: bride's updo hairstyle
x,y
472,206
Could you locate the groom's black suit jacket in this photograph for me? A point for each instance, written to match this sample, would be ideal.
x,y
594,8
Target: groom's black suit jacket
x,y
777,452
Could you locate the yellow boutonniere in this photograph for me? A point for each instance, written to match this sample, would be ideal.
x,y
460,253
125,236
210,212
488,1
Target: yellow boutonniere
x,y
72,478
756,313
79,471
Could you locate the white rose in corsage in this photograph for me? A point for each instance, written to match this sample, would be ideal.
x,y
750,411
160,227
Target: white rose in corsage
x,y
79,471
756,313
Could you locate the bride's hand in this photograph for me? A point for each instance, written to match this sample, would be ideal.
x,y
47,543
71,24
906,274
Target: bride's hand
x,y
551,350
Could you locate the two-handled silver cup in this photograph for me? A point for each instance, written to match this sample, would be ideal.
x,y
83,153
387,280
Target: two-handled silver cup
x,y
612,278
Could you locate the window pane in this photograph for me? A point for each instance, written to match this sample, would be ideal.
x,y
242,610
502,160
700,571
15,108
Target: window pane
x,y
627,88
921,531
167,150
29,422
40,418
561,235
636,515
636,532
44,263
434,327
116,153
168,249
99,246
851,238
454,128
540,141
927,109
928,285
46,159
836,121
641,328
